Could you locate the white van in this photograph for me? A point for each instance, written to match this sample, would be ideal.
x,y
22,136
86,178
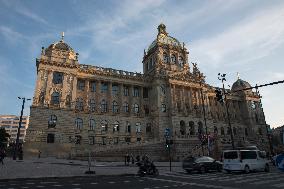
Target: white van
x,y
244,160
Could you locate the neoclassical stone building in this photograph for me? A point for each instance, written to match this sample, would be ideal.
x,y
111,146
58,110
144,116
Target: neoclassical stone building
x,y
79,108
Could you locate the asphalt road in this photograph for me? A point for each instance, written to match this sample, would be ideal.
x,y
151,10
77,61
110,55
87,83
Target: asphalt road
x,y
215,180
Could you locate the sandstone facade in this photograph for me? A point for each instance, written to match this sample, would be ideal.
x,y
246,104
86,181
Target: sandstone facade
x,y
79,108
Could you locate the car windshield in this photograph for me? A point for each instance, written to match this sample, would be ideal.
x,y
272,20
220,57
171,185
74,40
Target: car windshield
x,y
248,154
189,159
231,155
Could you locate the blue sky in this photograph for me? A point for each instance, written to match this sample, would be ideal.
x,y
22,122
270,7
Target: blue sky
x,y
222,36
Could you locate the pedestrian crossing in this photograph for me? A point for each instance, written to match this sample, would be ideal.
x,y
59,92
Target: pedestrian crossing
x,y
272,179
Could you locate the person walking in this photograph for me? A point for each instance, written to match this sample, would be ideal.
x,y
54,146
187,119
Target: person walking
x,y
2,155
128,159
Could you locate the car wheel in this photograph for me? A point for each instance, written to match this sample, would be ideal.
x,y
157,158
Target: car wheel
x,y
266,169
202,169
219,169
246,169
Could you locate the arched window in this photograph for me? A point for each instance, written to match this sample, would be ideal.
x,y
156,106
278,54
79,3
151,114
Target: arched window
x,y
114,107
222,131
173,58
79,104
52,121
55,98
228,131
235,131
164,108
165,57
92,105
79,123
259,131
114,89
116,126
136,108
182,128
180,61
50,138
200,127
92,124
104,125
128,127
148,128
191,128
103,106
125,107
215,130
138,127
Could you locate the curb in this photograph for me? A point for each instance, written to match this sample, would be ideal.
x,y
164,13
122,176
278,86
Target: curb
x,y
63,177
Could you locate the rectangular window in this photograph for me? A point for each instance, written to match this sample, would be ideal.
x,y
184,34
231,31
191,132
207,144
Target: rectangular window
x,y
80,84
127,139
126,91
145,92
104,87
114,89
50,138
91,140
92,86
57,77
136,92
103,140
138,127
128,127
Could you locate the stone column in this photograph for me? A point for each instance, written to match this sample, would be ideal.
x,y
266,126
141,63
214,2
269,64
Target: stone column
x,y
48,88
74,91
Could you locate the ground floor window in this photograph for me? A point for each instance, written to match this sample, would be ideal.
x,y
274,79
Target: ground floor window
x,y
50,138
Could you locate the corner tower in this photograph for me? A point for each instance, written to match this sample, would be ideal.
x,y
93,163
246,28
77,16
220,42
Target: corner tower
x,y
165,55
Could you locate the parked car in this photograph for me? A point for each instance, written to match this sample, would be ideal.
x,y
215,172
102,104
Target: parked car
x,y
202,164
245,160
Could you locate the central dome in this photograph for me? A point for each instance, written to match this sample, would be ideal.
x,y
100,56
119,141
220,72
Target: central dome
x,y
164,38
61,45
240,84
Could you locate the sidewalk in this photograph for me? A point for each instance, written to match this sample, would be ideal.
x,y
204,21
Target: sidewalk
x,y
52,167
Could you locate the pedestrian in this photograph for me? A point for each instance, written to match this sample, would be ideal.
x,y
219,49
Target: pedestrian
x,y
2,155
128,159
125,159
132,159
39,153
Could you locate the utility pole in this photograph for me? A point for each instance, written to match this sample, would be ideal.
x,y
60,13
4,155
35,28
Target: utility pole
x,y
223,79
19,128
267,132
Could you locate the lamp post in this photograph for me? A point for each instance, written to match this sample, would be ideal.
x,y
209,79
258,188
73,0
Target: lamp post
x,y
223,79
266,126
19,128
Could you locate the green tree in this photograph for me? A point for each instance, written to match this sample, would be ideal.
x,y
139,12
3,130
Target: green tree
x,y
3,137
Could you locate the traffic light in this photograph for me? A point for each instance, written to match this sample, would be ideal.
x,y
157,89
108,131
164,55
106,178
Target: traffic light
x,y
219,95
168,143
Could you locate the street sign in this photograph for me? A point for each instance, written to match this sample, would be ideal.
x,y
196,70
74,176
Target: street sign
x,y
167,132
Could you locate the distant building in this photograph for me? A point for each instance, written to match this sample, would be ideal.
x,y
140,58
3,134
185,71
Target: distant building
x,y
11,124
278,138
79,108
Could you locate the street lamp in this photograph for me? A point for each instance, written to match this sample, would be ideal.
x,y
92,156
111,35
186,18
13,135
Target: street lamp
x,y
222,78
19,128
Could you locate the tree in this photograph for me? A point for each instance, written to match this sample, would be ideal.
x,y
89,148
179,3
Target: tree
x,y
3,137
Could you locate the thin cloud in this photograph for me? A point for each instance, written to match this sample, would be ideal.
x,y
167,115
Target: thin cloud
x,y
10,35
250,39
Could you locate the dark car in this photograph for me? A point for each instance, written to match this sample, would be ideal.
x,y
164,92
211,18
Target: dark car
x,y
202,164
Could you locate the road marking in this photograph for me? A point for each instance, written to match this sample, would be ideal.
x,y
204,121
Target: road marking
x,y
146,188
156,187
281,185
24,187
57,185
30,183
192,184
111,182
94,183
175,185
268,181
141,180
126,181
75,184
10,188
166,186
48,182
40,186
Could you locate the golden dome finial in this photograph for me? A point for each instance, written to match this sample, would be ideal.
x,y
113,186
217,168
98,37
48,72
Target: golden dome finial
x,y
162,29
238,75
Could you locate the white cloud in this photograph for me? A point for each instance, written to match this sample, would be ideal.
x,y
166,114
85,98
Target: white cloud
x,y
10,35
250,39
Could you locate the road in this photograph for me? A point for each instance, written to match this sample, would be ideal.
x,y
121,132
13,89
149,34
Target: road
x,y
215,180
